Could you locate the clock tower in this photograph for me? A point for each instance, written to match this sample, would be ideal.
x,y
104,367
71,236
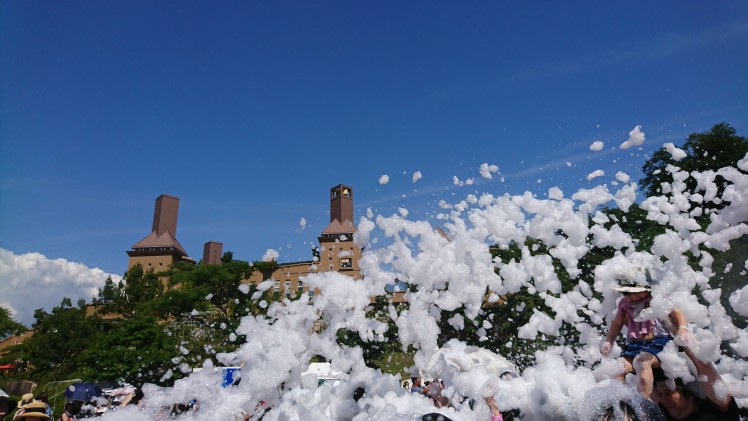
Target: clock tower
x,y
341,203
338,251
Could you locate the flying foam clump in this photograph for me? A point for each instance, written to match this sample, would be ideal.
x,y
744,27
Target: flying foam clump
x,y
597,146
636,138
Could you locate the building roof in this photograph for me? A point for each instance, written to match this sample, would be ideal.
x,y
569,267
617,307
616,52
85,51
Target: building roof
x,y
157,241
336,227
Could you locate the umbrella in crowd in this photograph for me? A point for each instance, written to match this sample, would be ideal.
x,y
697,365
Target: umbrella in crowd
x,y
83,392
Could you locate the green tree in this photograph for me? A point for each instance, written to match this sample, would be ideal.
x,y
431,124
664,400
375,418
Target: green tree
x,y
59,338
634,223
110,293
218,285
717,148
137,288
513,311
8,326
204,305
377,354
136,350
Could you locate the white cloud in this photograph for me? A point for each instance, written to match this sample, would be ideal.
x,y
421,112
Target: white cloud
x,y
636,138
417,176
597,146
384,179
31,281
302,223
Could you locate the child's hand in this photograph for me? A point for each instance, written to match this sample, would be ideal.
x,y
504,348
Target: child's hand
x,y
684,337
605,348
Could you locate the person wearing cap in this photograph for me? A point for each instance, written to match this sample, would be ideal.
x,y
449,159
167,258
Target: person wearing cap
x,y
26,399
34,411
645,338
43,397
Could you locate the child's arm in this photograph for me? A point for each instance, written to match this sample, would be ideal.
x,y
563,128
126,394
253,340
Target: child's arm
x,y
679,328
495,412
678,321
615,329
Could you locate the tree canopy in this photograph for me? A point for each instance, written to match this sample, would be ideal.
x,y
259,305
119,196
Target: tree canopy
x,y
59,338
8,326
711,150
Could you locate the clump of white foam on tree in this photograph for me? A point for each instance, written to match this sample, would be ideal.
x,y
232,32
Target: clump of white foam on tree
x,y
270,255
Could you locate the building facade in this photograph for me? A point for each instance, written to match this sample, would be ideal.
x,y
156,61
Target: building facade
x,y
160,249
336,252
212,253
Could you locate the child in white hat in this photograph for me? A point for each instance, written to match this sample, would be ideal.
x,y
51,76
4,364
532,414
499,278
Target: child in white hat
x,y
645,337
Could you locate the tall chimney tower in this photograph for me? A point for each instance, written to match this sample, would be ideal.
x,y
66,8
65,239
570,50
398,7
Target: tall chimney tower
x,y
165,215
212,253
160,249
341,203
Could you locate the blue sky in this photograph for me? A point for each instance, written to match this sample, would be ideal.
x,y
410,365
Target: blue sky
x,y
250,111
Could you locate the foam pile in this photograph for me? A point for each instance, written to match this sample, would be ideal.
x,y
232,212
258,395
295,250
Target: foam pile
x,y
452,271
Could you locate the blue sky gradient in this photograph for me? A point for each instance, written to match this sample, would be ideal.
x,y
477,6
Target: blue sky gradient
x,y
250,111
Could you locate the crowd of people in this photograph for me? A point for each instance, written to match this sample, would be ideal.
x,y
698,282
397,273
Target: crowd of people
x,y
32,408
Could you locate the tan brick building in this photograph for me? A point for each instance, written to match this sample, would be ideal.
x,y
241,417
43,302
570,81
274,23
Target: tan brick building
x,y
160,249
336,253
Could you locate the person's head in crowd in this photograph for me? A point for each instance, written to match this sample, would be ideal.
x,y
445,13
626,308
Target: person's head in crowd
x,y
137,397
619,402
70,408
435,416
5,406
674,396
26,399
626,413
34,411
